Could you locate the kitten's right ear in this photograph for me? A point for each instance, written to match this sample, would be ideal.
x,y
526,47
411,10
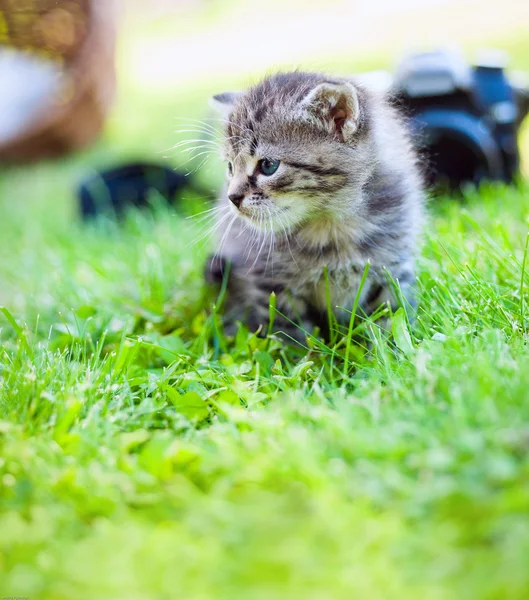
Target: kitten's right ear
x,y
224,103
336,107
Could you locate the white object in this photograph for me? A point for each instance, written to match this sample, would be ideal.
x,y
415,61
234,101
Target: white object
x,y
28,86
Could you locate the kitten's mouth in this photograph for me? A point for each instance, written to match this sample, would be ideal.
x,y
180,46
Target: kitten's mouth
x,y
252,211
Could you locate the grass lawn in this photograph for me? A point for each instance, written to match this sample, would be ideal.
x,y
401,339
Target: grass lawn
x,y
144,455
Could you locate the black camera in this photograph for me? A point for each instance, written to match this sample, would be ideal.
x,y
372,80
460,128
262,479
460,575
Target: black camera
x,y
465,119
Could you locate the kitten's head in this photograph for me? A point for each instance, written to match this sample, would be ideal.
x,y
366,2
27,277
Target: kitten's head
x,y
297,147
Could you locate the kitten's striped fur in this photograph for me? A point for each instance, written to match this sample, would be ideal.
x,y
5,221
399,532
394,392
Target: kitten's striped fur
x,y
347,191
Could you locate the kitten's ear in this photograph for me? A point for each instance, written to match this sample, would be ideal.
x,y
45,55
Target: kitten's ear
x,y
336,107
224,103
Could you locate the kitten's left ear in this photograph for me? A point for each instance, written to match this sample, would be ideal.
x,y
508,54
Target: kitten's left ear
x,y
336,107
224,103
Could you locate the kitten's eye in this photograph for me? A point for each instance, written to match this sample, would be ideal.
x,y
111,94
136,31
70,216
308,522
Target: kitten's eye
x,y
230,169
268,166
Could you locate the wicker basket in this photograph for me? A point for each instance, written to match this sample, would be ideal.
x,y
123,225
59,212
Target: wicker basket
x,y
80,36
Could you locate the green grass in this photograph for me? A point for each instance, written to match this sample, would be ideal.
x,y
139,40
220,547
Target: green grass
x,y
145,455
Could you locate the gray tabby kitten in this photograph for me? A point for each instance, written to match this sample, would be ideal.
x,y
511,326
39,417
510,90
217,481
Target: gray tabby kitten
x,y
321,173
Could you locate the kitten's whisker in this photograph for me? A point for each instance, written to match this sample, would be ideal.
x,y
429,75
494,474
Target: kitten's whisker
x,y
249,245
201,148
202,152
201,214
207,147
198,167
254,240
248,227
180,151
251,242
243,230
194,157
202,123
206,137
265,237
288,241
190,141
225,237
212,229
203,218
202,127
209,232
208,141
271,246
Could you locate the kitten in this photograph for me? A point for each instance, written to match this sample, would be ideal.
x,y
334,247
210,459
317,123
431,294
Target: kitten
x,y
321,173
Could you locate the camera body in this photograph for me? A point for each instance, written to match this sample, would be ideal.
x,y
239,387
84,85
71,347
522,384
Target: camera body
x,y
465,119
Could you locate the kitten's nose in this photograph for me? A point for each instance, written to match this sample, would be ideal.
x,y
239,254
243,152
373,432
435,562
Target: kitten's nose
x,y
236,199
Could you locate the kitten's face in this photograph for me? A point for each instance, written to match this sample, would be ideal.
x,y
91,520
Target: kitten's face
x,y
293,149
277,185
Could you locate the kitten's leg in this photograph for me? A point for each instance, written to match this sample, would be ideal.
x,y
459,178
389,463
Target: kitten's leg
x,y
245,300
404,288
291,319
248,301
396,293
